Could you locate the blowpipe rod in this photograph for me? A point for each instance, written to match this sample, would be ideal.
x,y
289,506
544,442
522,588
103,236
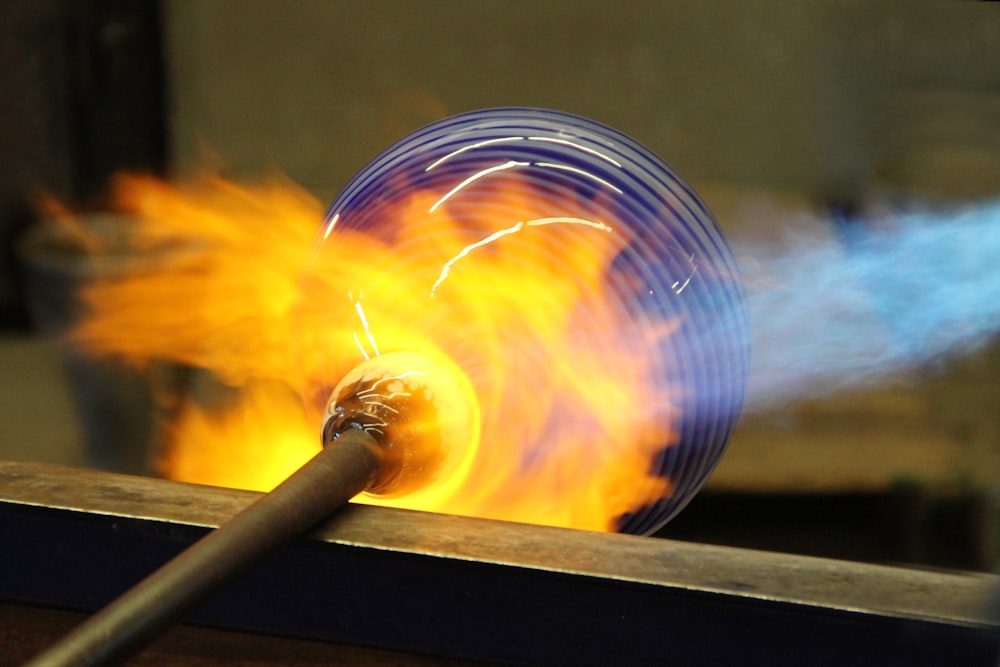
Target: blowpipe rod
x,y
342,469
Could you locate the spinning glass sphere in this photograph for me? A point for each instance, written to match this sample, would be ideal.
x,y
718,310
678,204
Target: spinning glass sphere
x,y
583,288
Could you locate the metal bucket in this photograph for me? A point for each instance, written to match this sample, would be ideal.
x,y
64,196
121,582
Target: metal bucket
x,y
117,405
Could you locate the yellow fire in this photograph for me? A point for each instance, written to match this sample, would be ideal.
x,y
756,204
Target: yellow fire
x,y
571,417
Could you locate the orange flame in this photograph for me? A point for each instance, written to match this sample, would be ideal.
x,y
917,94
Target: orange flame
x,y
571,419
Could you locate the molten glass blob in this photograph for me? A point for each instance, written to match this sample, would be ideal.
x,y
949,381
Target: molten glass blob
x,y
422,412
583,289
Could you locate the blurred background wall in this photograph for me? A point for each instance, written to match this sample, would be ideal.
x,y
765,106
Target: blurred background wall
x,y
787,95
783,107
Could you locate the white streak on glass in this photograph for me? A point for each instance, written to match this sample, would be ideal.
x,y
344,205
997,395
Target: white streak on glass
x,y
470,147
475,177
573,144
553,165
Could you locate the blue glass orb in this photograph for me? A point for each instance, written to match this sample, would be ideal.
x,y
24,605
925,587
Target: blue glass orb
x,y
580,283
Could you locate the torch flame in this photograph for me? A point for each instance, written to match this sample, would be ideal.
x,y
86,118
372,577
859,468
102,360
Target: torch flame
x,y
572,417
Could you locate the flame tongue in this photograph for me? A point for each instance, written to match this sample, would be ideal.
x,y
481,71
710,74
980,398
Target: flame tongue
x,y
555,377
